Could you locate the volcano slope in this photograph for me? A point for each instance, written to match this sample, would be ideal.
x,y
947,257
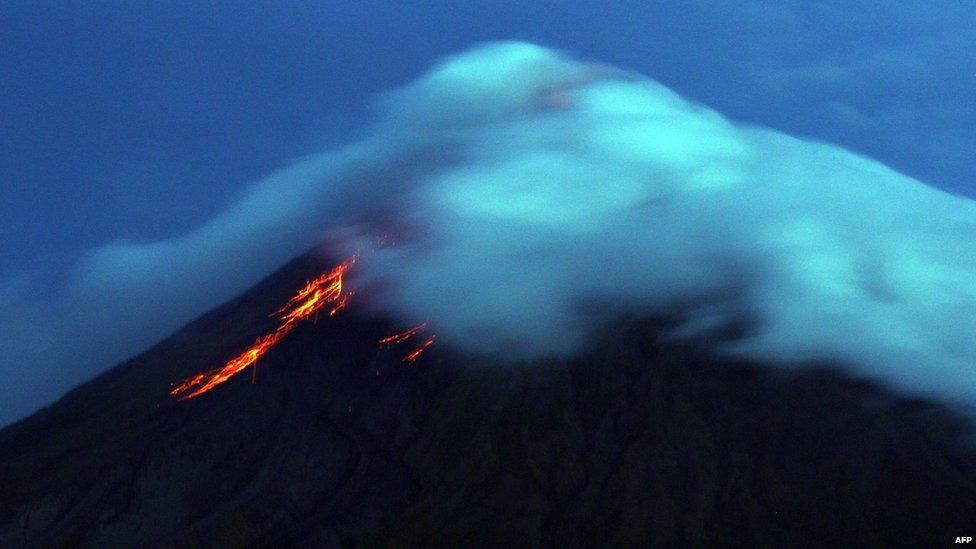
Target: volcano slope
x,y
338,442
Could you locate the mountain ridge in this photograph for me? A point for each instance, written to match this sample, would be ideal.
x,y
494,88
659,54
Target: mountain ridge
x,y
338,442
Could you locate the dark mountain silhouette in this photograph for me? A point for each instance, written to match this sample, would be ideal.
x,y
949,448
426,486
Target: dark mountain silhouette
x,y
340,443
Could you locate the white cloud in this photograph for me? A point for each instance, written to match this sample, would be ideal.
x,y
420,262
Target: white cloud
x,y
550,195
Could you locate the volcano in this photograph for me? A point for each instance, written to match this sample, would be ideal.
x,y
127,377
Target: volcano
x,y
339,441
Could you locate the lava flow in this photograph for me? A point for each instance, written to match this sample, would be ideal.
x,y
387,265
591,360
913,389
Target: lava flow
x,y
403,336
407,335
308,302
418,350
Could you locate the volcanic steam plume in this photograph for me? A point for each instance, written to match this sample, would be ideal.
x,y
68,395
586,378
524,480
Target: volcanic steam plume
x,y
533,198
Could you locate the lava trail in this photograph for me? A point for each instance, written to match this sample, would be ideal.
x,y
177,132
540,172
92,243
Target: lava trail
x,y
325,290
413,355
403,336
407,335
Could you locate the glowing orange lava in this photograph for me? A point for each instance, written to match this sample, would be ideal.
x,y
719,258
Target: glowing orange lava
x,y
419,350
406,335
403,336
308,302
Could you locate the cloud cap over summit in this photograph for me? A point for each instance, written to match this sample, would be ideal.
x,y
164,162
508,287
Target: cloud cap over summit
x,y
537,196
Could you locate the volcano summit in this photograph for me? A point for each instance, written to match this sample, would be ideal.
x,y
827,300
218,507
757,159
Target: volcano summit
x,y
533,199
576,308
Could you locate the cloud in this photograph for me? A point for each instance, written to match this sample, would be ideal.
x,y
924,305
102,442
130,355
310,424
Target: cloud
x,y
545,197
633,199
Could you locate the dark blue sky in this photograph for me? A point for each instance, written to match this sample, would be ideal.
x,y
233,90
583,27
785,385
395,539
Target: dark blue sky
x,y
139,120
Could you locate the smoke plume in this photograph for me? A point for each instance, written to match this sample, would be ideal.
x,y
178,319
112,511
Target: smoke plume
x,y
534,197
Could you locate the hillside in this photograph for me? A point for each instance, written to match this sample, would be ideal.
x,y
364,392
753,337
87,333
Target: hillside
x,y
338,442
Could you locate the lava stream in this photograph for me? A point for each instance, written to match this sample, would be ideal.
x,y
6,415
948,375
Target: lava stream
x,y
308,302
403,336
407,335
419,350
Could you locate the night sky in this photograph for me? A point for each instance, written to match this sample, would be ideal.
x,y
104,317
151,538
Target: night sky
x,y
137,120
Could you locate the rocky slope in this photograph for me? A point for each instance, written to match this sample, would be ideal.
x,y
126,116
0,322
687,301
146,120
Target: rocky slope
x,y
340,443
